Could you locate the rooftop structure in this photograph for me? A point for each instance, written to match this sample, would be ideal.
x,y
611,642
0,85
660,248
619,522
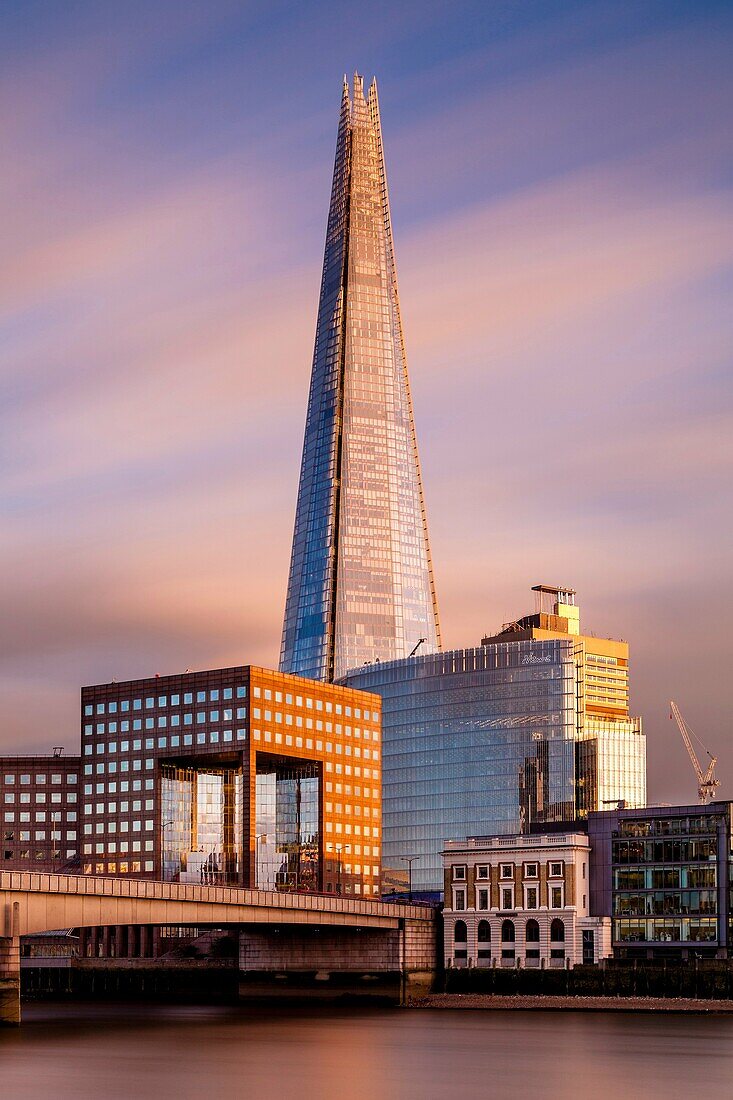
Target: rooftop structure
x,y
617,770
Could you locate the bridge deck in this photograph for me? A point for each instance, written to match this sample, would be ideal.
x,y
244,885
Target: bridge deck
x,y
48,901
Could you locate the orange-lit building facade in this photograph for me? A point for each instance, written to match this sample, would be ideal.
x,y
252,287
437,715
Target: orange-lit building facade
x,y
240,775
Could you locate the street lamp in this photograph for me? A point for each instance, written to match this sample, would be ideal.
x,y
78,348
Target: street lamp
x,y
409,860
338,849
55,816
260,839
163,828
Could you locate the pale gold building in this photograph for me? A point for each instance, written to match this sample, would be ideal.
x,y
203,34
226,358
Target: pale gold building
x,y
612,746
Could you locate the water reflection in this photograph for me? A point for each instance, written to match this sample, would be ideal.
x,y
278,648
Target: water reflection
x,y
105,1052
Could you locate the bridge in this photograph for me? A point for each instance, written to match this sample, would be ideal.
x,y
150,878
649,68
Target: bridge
x,y
356,935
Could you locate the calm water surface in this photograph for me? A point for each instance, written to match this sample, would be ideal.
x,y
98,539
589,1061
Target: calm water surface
x,y
105,1052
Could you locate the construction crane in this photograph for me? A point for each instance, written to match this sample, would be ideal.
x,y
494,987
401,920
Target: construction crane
x,y
706,780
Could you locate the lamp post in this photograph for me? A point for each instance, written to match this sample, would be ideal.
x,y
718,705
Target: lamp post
x,y
260,838
163,828
339,848
55,816
409,860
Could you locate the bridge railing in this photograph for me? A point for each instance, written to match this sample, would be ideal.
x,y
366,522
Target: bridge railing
x,y
97,885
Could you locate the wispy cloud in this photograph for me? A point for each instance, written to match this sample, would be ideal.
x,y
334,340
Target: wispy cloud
x,y
563,215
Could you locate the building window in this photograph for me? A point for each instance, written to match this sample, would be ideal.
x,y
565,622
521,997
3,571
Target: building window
x,y
459,873
556,870
507,870
530,870
530,897
557,931
532,932
482,871
484,941
459,900
507,897
508,937
483,899
556,897
508,932
460,940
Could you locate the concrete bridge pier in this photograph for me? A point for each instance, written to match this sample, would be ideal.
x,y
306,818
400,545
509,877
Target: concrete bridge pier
x,y
304,960
10,965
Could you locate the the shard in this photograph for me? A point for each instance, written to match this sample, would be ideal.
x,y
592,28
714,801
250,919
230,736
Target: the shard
x,y
361,584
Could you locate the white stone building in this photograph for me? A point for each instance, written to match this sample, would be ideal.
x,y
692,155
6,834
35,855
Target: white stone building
x,y
521,901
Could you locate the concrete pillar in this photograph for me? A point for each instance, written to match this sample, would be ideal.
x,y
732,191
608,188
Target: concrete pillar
x,y
10,966
133,949
106,941
121,941
94,937
156,951
418,945
146,941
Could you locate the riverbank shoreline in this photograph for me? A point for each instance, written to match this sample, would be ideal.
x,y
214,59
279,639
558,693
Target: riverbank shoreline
x,y
492,1002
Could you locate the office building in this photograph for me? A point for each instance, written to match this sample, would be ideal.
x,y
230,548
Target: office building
x,y
614,764
503,738
521,901
41,811
360,586
237,775
663,874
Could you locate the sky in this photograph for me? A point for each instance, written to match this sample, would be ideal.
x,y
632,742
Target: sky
x,y
561,180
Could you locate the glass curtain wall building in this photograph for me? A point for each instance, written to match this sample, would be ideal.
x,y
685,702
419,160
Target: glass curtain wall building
x,y
664,876
360,586
528,731
475,741
288,825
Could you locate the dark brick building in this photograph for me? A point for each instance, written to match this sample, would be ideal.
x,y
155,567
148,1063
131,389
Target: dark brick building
x,y
41,812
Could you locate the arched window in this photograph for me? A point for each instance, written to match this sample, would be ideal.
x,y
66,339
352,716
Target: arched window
x,y
507,931
532,932
460,943
557,931
484,932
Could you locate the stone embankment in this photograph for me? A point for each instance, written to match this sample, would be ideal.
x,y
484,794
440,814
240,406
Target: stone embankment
x,y
576,1004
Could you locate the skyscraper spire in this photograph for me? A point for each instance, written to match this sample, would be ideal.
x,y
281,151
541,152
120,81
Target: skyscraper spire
x,y
361,583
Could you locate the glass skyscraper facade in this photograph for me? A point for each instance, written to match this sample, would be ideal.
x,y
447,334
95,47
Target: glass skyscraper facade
x,y
492,740
360,586
475,741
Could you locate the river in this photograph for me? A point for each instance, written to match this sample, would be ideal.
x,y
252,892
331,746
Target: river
x,y
153,1052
